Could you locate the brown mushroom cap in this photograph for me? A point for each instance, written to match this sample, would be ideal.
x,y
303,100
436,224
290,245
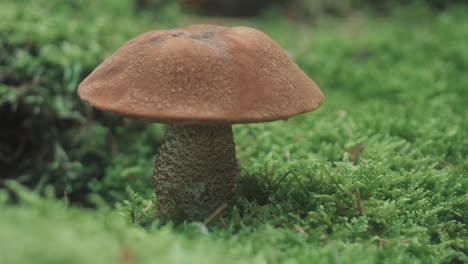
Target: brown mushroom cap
x,y
201,74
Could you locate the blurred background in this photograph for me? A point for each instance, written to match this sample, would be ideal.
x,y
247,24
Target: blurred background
x,y
49,137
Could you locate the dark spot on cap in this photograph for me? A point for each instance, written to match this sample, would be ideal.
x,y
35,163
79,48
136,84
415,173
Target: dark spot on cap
x,y
111,71
177,34
154,40
205,35
208,34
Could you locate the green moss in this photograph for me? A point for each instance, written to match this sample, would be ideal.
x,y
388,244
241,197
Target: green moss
x,y
393,128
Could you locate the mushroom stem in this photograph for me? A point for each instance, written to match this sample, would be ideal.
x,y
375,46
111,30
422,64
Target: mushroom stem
x,y
195,171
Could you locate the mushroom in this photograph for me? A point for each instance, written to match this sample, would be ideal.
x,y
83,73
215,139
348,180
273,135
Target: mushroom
x,y
200,80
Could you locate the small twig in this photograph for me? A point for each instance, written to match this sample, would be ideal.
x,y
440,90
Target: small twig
x,y
359,203
132,215
127,256
382,242
216,213
66,199
283,177
457,213
31,83
221,219
300,229
298,212
148,206
112,144
356,152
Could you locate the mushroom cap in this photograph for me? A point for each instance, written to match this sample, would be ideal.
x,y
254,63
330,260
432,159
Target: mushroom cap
x,y
201,74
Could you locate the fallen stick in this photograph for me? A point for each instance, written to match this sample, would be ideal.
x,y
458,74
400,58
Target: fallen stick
x,y
216,213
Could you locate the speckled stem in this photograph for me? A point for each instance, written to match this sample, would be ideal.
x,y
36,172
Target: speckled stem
x,y
195,171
